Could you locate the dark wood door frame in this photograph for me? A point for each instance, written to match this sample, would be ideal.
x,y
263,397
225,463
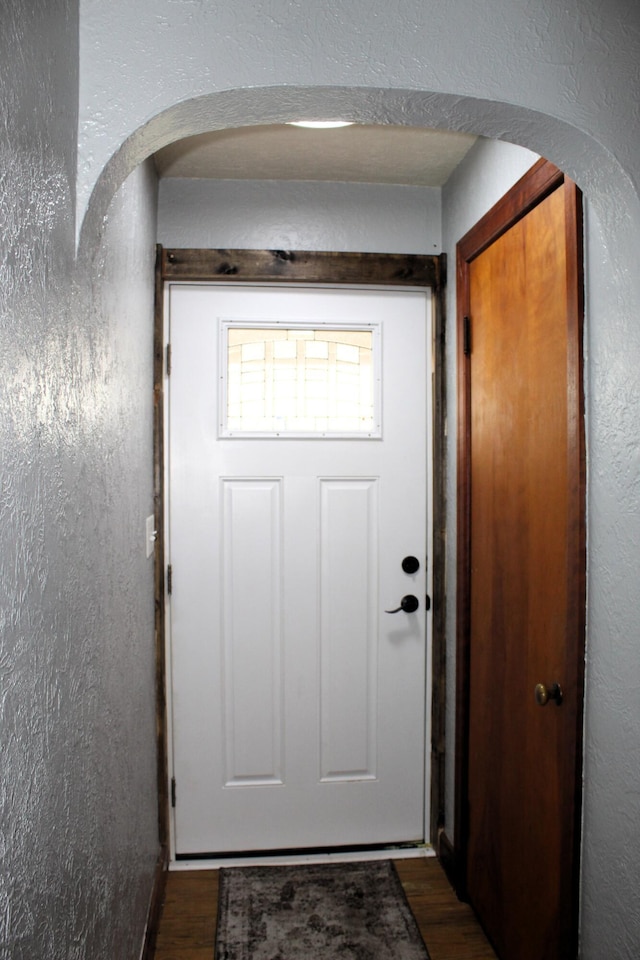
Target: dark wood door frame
x,y
307,267
535,186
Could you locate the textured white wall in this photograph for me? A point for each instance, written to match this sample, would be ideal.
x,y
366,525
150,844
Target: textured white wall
x,y
279,215
560,79
550,77
78,834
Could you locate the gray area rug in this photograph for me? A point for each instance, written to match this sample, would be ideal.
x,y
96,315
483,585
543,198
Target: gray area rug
x,y
337,911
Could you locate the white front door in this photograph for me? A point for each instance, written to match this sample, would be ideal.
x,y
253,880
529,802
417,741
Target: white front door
x,y
297,475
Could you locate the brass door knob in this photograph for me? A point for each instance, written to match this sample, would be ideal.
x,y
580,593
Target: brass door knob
x,y
543,694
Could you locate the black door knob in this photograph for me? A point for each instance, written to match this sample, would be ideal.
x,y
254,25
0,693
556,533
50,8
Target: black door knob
x,y
408,604
410,564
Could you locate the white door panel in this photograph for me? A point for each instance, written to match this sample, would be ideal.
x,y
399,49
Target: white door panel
x,y
298,704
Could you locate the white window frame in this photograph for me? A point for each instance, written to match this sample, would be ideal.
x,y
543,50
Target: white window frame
x,y
225,324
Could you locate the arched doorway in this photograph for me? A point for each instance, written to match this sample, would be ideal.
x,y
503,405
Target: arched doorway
x,y
585,160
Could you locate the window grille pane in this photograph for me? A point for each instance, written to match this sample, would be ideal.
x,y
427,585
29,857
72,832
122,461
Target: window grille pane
x,y
300,381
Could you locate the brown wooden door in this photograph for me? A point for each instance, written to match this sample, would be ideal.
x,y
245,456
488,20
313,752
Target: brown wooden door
x,y
522,566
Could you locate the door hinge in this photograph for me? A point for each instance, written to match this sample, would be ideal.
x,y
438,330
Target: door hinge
x,y
168,359
466,336
169,579
173,791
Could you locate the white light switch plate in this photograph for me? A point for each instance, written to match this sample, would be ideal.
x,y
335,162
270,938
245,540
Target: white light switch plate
x,y
150,535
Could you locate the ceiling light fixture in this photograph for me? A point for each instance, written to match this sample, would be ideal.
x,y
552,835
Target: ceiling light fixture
x,y
321,124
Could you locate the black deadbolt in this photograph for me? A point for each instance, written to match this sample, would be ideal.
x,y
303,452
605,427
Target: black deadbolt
x,y
410,564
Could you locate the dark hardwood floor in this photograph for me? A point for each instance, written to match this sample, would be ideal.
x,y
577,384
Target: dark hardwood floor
x,y
449,928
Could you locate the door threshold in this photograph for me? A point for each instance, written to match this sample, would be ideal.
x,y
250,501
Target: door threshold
x,y
291,858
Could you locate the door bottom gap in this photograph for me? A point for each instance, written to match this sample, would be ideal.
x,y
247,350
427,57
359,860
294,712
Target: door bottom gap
x,y
213,861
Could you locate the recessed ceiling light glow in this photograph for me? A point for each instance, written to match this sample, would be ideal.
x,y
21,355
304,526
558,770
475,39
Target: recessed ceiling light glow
x,y
321,124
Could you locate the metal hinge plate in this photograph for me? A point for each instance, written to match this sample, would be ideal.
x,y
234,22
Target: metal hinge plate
x,y
173,791
466,336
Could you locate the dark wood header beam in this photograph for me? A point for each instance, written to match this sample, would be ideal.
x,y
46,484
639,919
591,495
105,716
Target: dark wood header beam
x,y
300,266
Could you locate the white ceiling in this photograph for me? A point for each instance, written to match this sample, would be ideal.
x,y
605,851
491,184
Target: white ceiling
x,y
359,153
